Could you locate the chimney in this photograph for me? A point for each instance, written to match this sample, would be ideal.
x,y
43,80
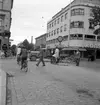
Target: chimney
x,y
31,39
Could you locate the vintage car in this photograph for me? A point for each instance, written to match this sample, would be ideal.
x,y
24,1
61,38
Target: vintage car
x,y
33,55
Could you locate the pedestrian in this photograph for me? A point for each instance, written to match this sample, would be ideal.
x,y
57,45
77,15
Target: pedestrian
x,y
77,57
56,55
18,54
41,56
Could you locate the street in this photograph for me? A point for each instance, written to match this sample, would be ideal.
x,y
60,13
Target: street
x,y
53,84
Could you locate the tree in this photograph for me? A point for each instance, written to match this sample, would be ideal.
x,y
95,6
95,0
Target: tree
x,y
96,19
31,46
26,44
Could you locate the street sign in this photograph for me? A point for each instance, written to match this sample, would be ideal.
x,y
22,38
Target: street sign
x,y
60,38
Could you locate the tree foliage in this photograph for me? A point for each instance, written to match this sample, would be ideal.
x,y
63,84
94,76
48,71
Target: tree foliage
x,y
13,47
28,45
95,20
96,16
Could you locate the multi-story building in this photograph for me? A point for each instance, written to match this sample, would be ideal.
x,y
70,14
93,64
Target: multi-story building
x,y
74,25
5,21
41,41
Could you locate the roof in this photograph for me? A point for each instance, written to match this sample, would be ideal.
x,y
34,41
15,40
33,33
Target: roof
x,y
41,36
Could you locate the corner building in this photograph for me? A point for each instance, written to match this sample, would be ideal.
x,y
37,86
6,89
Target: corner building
x,y
5,21
74,25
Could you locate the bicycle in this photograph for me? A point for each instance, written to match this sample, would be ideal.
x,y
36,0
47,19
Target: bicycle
x,y
25,65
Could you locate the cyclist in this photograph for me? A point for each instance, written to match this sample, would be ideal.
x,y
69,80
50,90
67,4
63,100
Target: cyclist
x,y
24,56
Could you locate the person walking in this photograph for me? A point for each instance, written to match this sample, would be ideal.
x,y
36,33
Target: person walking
x,y
77,57
18,54
41,55
56,55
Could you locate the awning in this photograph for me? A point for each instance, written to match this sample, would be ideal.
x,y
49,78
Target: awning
x,y
74,48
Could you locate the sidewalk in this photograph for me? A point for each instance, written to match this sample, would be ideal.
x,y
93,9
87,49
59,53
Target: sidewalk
x,y
2,87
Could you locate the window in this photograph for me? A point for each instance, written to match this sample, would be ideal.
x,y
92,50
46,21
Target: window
x,y
65,38
54,32
77,24
0,23
90,37
57,30
78,11
65,27
65,15
91,25
91,13
61,18
55,22
61,28
49,34
52,24
98,38
58,21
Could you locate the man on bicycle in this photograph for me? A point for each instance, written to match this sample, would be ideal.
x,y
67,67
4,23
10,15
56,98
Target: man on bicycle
x,y
24,55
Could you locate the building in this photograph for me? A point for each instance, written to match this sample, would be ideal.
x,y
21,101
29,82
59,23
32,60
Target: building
x,y
74,25
41,41
5,21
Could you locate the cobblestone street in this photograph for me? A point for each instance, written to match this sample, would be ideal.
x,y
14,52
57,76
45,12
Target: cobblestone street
x,y
53,85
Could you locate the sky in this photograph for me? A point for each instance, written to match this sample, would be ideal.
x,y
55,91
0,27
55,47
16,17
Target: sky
x,y
30,17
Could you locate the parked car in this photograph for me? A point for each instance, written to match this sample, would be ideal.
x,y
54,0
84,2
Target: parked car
x,y
33,55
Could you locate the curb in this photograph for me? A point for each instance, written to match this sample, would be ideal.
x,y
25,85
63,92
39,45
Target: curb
x,y
3,89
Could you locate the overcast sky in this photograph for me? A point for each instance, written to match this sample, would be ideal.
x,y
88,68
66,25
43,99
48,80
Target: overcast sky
x,y
29,17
